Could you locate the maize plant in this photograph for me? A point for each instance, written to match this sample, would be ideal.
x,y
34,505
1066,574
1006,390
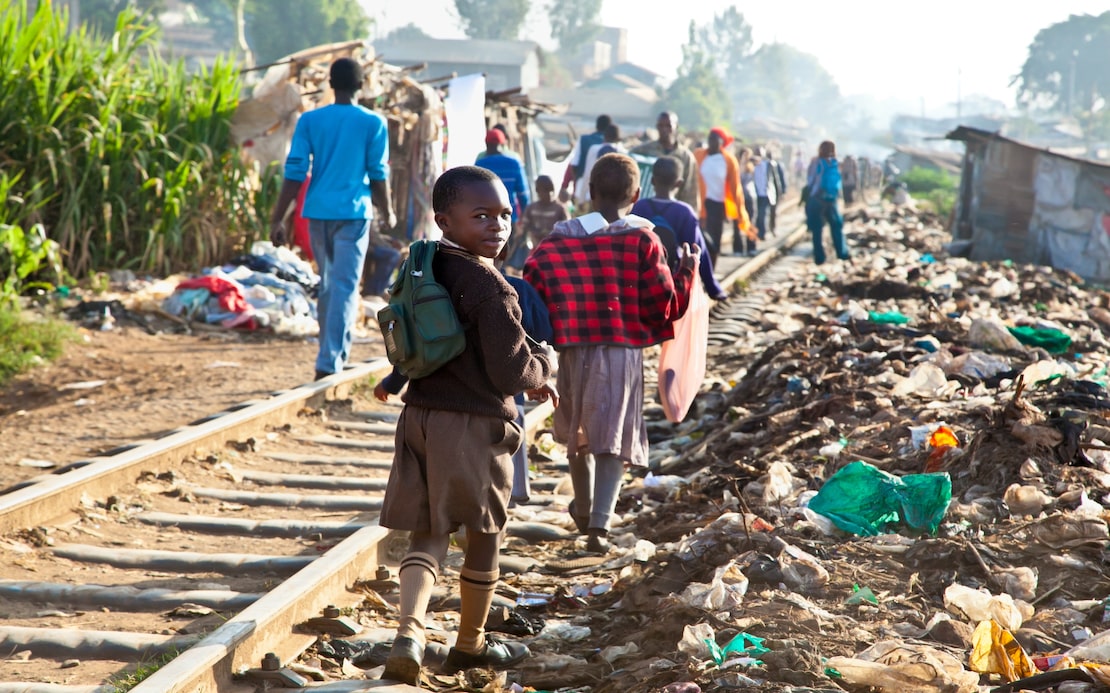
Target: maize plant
x,y
124,158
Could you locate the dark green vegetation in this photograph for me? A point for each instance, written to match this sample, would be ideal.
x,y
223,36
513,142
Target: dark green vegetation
x,y
937,188
123,158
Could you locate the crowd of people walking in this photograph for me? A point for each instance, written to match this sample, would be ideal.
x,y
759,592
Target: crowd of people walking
x,y
559,297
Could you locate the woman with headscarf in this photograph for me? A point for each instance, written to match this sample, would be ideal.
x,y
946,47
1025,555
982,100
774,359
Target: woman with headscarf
x,y
719,186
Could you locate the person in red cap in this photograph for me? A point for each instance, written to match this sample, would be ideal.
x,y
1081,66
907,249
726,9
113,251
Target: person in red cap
x,y
511,172
508,168
719,186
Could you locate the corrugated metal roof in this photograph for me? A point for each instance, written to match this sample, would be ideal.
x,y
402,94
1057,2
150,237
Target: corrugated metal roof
x,y
631,105
964,133
470,51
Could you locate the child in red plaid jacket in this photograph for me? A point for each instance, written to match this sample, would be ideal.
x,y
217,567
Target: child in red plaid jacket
x,y
605,281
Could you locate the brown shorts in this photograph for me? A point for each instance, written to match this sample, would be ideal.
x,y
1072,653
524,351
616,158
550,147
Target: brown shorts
x,y
450,469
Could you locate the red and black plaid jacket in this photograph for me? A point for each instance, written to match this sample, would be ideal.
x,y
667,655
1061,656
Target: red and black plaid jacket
x,y
611,287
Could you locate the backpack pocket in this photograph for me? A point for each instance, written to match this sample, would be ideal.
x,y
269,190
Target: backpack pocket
x,y
433,313
398,343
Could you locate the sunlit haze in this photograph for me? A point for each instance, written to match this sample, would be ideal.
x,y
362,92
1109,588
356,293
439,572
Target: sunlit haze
x,y
923,56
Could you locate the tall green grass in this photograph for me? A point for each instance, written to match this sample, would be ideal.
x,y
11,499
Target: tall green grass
x,y
124,158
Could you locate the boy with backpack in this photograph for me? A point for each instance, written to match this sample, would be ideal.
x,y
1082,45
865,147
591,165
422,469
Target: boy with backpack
x,y
456,434
823,185
676,223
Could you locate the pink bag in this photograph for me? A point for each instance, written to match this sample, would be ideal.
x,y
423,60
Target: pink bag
x,y
682,359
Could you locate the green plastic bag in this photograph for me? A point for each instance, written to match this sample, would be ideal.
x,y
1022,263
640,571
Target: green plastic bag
x,y
889,318
741,643
1049,338
863,499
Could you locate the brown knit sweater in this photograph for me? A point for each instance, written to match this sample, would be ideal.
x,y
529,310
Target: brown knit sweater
x,y
497,362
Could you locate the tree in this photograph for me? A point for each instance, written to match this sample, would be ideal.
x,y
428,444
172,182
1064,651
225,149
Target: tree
x,y
697,94
1065,69
553,73
780,81
727,40
492,19
276,28
573,23
407,32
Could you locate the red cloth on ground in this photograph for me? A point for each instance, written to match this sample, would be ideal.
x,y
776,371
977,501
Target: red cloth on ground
x,y
227,293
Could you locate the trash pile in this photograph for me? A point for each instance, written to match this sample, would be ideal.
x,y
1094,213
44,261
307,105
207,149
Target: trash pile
x,y
267,288
899,484
907,476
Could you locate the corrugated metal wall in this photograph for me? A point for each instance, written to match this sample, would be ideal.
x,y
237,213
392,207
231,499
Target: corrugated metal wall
x,y
1002,202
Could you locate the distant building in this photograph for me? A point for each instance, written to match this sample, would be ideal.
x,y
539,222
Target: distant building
x,y
609,48
635,72
506,64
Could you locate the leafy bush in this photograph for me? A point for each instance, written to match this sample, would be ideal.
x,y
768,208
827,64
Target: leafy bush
x,y
935,188
29,341
923,180
125,159
24,255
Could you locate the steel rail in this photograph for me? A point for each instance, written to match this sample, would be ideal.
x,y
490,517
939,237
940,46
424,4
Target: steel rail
x,y
55,495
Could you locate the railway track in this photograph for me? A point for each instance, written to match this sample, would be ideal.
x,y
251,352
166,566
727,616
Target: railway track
x,y
219,552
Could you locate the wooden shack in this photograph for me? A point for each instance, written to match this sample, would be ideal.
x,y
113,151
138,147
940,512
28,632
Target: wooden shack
x,y
1032,205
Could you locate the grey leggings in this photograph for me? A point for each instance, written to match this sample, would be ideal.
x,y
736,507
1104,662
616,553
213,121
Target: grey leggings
x,y
597,485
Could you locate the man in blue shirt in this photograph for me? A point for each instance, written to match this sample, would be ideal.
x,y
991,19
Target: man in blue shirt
x,y
347,148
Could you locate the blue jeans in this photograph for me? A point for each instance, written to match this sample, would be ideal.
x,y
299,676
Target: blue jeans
x,y
383,260
340,249
817,213
762,206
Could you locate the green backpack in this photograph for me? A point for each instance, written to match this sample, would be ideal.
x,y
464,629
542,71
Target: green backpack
x,y
419,325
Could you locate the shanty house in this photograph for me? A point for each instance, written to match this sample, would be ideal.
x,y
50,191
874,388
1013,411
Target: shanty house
x,y
506,64
1033,205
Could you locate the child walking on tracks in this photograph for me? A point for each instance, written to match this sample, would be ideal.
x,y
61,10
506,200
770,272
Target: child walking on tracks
x,y
610,293
456,434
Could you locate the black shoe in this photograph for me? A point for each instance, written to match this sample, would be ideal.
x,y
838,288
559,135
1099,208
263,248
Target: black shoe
x,y
320,375
582,523
597,542
403,663
497,654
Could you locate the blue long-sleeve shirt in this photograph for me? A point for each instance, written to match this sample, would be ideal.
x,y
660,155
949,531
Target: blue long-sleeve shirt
x,y
346,146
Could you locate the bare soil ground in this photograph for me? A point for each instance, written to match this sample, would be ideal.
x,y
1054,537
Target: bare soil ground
x,y
58,413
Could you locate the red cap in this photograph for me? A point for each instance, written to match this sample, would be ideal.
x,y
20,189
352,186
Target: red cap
x,y
726,139
495,136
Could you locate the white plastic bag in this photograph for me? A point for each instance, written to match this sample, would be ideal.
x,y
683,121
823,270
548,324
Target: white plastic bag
x,y
682,359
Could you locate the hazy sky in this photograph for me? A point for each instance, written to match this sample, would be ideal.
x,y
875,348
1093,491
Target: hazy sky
x,y
928,51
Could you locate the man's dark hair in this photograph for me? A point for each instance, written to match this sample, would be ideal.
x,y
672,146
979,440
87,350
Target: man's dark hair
x,y
613,133
614,178
449,185
669,115
545,179
603,121
346,75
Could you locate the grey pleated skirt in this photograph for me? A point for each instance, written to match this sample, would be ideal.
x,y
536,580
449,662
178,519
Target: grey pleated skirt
x,y
602,401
